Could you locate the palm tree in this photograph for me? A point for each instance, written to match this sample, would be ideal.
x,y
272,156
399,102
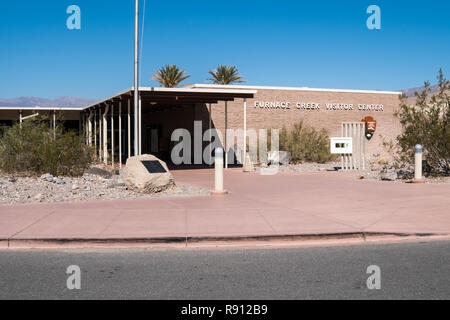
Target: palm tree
x,y
170,76
225,75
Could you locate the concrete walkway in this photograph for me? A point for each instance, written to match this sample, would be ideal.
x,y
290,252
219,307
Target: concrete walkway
x,y
302,203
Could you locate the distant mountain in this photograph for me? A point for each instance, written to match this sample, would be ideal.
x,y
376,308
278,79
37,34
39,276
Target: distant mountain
x,y
32,102
410,92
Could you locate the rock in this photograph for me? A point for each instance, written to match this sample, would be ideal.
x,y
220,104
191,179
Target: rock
x,y
116,185
405,174
47,177
99,172
12,180
39,197
388,176
139,179
248,165
44,176
279,157
58,181
75,187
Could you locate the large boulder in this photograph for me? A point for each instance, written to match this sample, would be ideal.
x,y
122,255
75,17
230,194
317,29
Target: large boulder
x,y
279,157
147,174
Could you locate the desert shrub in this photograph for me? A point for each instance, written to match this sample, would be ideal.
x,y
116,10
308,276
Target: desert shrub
x,y
425,122
306,144
34,148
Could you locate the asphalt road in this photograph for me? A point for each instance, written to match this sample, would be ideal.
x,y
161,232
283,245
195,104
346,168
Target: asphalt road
x,y
408,271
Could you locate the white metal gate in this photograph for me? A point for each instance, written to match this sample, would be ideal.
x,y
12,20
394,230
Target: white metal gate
x,y
356,160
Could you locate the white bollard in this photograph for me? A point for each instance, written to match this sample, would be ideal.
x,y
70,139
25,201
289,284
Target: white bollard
x,y
418,164
218,173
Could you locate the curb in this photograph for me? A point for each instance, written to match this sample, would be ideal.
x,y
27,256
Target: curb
x,y
308,240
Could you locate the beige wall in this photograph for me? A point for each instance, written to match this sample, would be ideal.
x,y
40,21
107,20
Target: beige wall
x,y
263,118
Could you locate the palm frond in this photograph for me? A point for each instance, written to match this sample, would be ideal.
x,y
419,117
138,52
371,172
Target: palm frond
x,y
225,75
170,76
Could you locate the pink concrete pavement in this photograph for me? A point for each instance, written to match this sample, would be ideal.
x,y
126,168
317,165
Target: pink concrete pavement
x,y
285,204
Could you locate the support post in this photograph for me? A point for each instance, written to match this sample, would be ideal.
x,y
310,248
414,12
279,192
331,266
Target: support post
x,y
137,119
112,134
105,136
120,134
140,125
85,130
86,127
95,131
100,133
245,131
80,119
225,136
90,128
129,128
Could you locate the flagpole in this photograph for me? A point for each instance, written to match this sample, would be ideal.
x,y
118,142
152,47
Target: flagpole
x,y
136,80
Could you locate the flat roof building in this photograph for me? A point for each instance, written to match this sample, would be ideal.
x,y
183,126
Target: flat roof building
x,y
164,110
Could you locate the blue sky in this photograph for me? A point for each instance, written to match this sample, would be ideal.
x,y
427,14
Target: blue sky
x,y
323,44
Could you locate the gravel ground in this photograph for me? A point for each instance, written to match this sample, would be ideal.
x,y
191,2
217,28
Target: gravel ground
x,y
99,184
373,173
94,185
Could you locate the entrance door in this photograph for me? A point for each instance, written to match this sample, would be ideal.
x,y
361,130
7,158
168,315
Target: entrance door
x,y
153,134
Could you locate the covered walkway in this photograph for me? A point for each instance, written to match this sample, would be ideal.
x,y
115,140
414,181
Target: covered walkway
x,y
109,125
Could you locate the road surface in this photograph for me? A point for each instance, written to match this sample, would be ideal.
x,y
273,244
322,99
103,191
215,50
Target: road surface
x,y
407,271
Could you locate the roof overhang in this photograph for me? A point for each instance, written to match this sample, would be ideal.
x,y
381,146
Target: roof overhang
x,y
187,95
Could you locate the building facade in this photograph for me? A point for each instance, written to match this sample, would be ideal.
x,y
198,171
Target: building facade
x,y
163,110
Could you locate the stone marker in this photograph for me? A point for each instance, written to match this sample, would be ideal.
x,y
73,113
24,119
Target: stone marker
x,y
147,174
279,157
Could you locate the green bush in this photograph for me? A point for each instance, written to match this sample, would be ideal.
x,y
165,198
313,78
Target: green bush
x,y
306,144
34,148
426,122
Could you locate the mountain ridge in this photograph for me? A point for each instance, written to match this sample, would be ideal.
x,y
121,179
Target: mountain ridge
x,y
32,102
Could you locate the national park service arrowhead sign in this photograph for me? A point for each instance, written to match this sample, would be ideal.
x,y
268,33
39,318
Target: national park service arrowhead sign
x,y
371,126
